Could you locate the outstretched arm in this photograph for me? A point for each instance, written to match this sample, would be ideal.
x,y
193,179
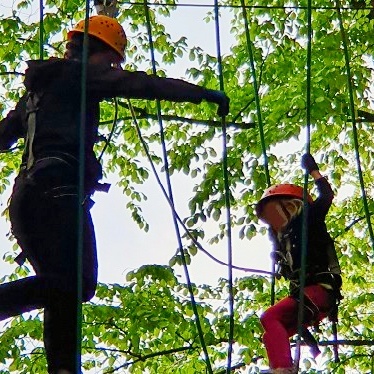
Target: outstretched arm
x,y
139,85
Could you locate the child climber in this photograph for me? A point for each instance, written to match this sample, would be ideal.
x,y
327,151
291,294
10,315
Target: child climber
x,y
281,207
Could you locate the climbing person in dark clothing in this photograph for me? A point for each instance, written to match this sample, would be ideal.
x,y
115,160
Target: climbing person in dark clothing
x,y
44,207
281,207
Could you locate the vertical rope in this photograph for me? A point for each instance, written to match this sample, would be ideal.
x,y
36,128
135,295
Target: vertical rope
x,y
256,90
81,192
170,193
81,178
41,30
354,123
304,233
227,197
260,124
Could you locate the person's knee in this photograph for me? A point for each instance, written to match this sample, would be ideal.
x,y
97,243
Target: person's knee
x,y
266,319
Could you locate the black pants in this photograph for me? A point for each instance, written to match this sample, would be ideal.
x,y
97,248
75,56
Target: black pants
x,y
44,217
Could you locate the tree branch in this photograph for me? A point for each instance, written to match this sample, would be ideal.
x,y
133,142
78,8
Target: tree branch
x,y
146,357
347,228
11,73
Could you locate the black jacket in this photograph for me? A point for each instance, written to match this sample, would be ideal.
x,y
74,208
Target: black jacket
x,y
57,82
320,246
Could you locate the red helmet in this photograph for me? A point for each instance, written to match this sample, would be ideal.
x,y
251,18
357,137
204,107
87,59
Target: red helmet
x,y
286,190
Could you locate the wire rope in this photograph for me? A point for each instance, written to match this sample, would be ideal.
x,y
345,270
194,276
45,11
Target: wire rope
x,y
227,197
113,129
81,192
304,229
170,198
179,219
81,180
261,127
170,194
81,198
236,6
354,124
41,29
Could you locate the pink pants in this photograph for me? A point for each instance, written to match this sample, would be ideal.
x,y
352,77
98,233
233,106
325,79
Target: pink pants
x,y
280,323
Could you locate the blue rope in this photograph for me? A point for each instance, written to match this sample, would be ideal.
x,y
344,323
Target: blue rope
x,y
354,124
179,219
81,192
41,30
227,198
304,233
170,195
261,128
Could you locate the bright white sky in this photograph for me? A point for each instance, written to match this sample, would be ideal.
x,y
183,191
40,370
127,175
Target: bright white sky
x,y
122,246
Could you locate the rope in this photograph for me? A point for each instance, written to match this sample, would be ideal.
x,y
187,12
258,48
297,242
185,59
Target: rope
x,y
227,198
81,196
114,124
260,124
179,219
234,6
41,30
170,194
255,88
304,233
354,125
81,177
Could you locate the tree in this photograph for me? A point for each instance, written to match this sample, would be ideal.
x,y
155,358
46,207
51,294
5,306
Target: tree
x,y
148,324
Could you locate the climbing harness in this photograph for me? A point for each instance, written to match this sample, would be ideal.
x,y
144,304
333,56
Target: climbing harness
x,y
32,107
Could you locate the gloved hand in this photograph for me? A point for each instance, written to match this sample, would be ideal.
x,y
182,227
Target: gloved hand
x,y
308,163
219,98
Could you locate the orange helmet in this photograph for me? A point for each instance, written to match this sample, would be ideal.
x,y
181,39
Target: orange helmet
x,y
286,190
106,29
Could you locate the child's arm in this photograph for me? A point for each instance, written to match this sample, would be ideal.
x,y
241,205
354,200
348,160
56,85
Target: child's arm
x,y
325,194
316,174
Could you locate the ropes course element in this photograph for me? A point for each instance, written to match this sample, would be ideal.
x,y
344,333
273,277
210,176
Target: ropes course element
x,y
81,192
236,6
170,194
353,120
41,29
135,118
113,129
260,126
304,230
81,197
227,198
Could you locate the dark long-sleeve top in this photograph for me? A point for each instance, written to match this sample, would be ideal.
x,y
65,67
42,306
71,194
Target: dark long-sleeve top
x,y
57,82
288,245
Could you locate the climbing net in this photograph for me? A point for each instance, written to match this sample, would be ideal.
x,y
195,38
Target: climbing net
x,y
292,69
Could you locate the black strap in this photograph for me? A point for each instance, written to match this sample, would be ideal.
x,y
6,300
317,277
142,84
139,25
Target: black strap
x,y
32,106
20,259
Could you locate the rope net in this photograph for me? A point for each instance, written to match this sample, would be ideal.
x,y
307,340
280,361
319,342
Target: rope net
x,y
288,69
